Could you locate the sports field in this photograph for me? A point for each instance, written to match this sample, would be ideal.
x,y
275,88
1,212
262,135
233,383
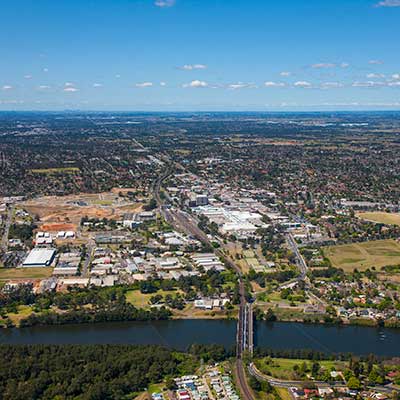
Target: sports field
x,y
376,253
381,217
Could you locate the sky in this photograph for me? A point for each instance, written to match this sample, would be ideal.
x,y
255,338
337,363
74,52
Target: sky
x,y
200,55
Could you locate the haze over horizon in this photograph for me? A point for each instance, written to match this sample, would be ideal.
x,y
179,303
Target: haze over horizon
x,y
192,55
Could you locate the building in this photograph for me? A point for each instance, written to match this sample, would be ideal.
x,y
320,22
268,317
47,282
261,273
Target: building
x,y
39,257
197,200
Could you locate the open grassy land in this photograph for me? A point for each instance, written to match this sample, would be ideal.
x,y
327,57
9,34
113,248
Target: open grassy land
x,y
25,273
381,217
376,253
282,368
23,312
141,300
284,393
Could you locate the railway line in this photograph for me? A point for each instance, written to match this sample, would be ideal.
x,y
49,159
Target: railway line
x,y
244,336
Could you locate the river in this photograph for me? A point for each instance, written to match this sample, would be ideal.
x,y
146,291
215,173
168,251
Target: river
x,y
180,334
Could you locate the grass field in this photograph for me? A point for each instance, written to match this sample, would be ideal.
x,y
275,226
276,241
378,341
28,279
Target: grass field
x,y
376,253
141,300
381,217
67,170
282,368
24,273
23,312
284,393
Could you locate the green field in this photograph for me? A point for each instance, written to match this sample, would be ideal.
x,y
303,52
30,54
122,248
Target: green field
x,y
23,312
141,300
381,217
282,368
25,273
376,253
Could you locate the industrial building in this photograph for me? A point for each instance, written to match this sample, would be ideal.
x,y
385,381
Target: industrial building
x,y
39,257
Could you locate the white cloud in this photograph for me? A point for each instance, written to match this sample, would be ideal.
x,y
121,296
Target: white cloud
x,y
323,65
375,62
274,84
344,65
394,84
164,3
144,84
285,73
331,85
368,84
196,84
241,85
375,76
68,84
191,67
12,102
396,76
163,84
388,3
28,76
43,87
97,85
71,89
7,87
302,84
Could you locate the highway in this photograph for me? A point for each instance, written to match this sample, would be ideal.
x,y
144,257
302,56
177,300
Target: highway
x,y
186,223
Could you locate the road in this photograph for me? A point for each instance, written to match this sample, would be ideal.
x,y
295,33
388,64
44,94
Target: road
x,y
388,389
4,240
188,224
301,263
85,267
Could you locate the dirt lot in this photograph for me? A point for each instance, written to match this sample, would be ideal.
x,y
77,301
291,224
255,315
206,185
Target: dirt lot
x,y
64,213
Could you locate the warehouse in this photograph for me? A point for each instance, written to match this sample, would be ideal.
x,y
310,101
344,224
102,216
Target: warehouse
x,y
39,257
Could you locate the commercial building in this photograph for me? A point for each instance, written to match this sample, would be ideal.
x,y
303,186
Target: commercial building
x,y
39,257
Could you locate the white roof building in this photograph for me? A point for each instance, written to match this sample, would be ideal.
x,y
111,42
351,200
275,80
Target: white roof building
x,y
39,257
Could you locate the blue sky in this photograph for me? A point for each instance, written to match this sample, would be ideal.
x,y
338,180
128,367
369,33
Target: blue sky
x,y
199,54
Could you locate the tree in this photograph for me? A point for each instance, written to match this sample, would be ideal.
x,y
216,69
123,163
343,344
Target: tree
x,y
270,316
255,384
171,384
354,383
315,369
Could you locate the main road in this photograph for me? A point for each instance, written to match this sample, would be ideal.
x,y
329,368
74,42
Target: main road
x,y
4,239
244,338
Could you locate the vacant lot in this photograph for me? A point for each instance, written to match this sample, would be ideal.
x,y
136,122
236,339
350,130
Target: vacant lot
x,y
381,217
376,253
24,273
70,209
